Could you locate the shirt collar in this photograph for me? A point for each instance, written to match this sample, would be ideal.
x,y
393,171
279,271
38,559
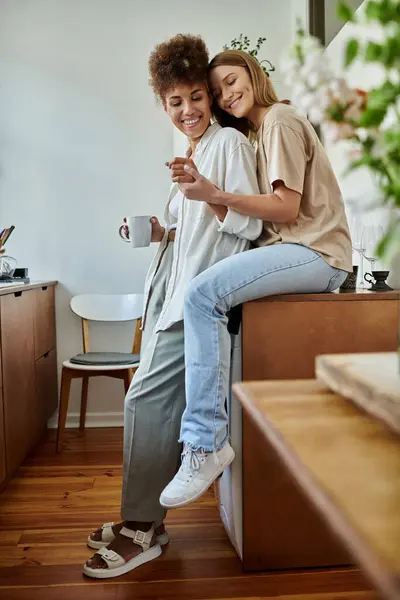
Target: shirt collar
x,y
202,145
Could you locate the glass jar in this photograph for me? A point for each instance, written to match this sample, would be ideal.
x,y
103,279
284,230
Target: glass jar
x,y
7,266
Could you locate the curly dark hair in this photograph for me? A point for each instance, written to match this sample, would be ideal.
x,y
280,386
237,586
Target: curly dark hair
x,y
181,59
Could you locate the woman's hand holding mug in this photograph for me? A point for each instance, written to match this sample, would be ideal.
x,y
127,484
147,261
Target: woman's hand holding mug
x,y
140,231
157,230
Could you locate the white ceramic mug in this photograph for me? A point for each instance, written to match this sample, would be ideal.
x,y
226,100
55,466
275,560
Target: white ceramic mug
x,y
139,231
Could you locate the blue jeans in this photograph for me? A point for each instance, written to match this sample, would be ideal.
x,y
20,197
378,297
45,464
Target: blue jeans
x,y
266,271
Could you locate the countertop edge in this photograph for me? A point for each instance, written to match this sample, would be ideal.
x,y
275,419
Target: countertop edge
x,y
24,287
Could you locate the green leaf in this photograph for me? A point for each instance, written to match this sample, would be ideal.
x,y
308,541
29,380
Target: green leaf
x,y
344,11
375,164
372,11
391,51
389,246
299,28
392,142
351,51
372,116
373,52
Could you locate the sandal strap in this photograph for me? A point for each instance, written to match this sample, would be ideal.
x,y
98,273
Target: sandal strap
x,y
141,538
107,534
112,559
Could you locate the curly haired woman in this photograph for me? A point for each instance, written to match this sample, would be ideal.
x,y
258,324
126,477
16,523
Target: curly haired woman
x,y
197,235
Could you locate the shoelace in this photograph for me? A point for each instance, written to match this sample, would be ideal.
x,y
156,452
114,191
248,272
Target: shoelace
x,y
191,461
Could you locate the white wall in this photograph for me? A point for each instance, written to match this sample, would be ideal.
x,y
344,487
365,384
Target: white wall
x,y
300,15
82,142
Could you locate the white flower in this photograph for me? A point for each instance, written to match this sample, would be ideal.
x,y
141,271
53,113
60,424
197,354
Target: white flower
x,y
338,131
308,100
298,89
315,78
325,96
394,76
391,117
311,44
377,149
316,114
363,133
288,63
313,61
355,153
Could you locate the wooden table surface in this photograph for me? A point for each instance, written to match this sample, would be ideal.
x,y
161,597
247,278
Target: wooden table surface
x,y
347,464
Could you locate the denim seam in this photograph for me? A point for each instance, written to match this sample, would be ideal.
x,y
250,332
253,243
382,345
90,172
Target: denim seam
x,y
242,285
217,402
214,448
330,281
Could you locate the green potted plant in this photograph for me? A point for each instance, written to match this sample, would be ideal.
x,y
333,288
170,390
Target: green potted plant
x,y
369,120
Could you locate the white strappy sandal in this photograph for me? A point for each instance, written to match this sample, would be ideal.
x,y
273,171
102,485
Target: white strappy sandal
x,y
107,536
116,565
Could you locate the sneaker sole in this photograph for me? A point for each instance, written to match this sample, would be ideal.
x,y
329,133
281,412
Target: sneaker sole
x,y
205,487
139,560
162,540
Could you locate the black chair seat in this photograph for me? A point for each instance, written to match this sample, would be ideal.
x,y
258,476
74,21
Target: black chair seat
x,y
105,358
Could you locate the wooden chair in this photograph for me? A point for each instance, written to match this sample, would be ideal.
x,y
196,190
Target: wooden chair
x,y
99,307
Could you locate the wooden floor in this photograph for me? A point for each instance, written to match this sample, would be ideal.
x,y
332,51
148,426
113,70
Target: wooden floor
x,y
48,510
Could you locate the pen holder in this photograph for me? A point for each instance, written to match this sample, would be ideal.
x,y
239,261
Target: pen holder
x,y
7,266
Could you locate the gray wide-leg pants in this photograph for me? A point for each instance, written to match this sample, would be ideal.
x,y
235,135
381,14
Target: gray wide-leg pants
x,y
153,410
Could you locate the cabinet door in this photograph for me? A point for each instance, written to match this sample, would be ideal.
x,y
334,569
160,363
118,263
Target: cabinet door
x,y
281,338
3,471
45,321
21,418
46,385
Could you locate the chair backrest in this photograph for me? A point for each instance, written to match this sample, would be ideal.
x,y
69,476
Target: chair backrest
x,y
108,307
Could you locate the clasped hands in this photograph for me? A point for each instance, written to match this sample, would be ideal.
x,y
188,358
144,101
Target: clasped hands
x,y
192,185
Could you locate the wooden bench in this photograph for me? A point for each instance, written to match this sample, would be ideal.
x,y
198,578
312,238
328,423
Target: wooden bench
x,y
343,461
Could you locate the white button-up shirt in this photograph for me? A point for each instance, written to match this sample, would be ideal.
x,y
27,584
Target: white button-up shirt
x,y
226,158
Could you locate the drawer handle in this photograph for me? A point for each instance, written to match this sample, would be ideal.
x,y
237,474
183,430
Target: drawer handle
x,y
17,294
46,355
44,288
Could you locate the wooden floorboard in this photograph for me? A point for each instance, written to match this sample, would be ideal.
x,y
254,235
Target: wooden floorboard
x,y
48,509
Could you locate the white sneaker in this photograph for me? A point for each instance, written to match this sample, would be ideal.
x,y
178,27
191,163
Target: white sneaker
x,y
197,472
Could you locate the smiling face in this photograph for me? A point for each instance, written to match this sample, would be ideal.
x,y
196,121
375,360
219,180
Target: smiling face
x,y
232,89
189,108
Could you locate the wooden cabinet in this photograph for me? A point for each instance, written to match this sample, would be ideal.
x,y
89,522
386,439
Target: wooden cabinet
x,y
28,354
3,470
281,338
45,321
46,384
20,410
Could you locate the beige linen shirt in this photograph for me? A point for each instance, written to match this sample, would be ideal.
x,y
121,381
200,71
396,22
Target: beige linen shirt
x,y
288,149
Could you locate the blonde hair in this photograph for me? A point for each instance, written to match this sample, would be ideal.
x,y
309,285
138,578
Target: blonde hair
x,y
264,93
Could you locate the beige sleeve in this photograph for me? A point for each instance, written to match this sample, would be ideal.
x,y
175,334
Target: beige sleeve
x,y
286,156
